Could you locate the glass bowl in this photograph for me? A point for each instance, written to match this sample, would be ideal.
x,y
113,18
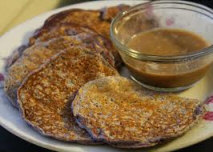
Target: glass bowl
x,y
164,73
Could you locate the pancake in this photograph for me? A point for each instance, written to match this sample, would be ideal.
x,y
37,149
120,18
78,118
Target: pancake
x,y
117,111
84,34
98,20
45,95
38,54
64,29
30,60
86,18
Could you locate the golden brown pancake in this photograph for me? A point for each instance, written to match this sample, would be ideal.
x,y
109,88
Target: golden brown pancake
x,y
92,19
89,18
117,111
45,95
64,29
38,54
84,34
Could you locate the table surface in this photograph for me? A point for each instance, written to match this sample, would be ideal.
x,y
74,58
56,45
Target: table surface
x,y
22,10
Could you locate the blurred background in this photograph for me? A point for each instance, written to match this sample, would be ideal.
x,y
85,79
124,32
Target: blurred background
x,y
14,12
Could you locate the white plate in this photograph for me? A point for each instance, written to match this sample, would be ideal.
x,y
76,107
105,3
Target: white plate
x,y
11,120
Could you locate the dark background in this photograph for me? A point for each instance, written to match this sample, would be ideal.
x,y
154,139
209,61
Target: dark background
x,y
11,143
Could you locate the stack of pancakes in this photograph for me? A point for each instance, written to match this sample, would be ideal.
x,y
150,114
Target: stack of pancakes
x,y
66,85
75,27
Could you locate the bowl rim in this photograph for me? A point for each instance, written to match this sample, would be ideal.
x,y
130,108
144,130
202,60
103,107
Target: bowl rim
x,y
141,56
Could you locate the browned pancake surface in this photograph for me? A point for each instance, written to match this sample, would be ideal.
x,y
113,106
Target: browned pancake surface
x,y
30,60
83,34
64,29
86,18
45,96
119,112
47,44
89,18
